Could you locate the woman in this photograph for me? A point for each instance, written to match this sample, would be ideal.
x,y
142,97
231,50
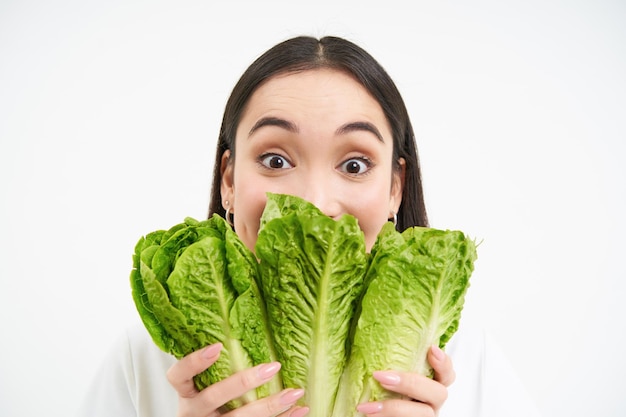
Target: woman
x,y
320,119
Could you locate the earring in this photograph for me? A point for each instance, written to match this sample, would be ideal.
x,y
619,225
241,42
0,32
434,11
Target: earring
x,y
227,215
394,219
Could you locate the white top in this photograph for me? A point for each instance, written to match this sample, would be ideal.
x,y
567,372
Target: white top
x,y
132,382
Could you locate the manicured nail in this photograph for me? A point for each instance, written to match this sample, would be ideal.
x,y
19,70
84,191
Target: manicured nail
x,y
369,408
437,352
299,412
291,396
211,351
268,370
387,378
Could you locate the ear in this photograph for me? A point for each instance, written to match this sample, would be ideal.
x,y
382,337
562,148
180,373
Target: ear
x,y
397,187
227,184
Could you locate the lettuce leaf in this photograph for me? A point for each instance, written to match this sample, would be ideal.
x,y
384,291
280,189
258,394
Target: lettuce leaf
x,y
193,286
416,291
312,269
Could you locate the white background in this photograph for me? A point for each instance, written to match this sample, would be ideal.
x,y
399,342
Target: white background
x,y
109,113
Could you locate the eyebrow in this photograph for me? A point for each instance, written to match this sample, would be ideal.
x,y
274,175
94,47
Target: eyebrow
x,y
360,126
292,127
273,121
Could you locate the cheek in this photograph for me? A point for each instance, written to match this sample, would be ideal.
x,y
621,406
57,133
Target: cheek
x,y
371,229
372,215
249,205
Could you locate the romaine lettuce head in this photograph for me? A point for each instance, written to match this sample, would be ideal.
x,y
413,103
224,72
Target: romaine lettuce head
x,y
417,284
194,285
312,269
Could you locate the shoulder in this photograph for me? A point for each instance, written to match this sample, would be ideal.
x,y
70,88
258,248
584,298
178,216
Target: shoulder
x,y
136,356
147,367
486,384
142,348
131,380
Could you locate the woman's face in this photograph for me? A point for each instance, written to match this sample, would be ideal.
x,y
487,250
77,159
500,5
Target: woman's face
x,y
318,135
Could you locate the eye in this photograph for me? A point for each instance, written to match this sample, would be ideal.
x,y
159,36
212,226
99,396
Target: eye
x,y
356,166
274,161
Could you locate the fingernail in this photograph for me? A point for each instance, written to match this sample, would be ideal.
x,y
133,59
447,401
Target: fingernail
x,y
299,412
268,370
291,396
369,408
438,353
211,351
387,378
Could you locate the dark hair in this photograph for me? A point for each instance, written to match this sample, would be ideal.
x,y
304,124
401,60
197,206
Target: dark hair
x,y
305,53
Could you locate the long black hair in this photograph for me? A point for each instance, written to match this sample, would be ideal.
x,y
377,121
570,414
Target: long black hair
x,y
306,53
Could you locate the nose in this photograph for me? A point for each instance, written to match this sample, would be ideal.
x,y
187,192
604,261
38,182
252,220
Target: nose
x,y
323,195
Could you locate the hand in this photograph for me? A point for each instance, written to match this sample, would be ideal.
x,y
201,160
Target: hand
x,y
208,402
426,396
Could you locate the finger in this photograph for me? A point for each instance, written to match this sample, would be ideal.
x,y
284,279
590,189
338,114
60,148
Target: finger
x,y
236,385
396,408
180,375
414,386
298,412
282,404
442,365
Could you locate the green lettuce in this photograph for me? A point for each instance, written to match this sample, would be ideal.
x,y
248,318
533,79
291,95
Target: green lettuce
x,y
312,269
417,282
310,296
194,285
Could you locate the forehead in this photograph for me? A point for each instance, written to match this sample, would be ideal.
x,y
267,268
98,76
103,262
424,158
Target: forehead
x,y
325,94
319,78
